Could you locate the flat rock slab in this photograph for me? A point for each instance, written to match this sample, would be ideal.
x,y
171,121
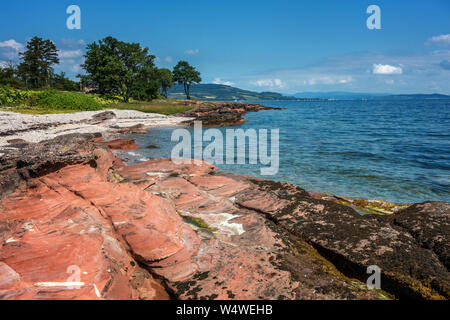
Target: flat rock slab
x,y
354,242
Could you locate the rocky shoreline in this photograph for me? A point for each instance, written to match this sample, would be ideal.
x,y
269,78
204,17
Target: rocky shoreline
x,y
23,128
71,209
222,113
157,230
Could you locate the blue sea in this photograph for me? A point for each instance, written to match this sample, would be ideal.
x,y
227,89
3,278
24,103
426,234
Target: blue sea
x,y
396,150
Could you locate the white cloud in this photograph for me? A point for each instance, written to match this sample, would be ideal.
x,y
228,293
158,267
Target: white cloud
x,y
72,43
11,44
70,54
269,83
346,80
332,79
192,51
219,81
9,49
354,72
168,59
3,64
440,40
75,68
386,69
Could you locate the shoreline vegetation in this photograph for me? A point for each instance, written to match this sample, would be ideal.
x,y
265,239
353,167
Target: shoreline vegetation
x,y
50,101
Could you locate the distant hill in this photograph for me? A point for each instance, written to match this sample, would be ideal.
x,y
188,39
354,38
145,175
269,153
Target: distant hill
x,y
224,93
415,96
337,95
227,93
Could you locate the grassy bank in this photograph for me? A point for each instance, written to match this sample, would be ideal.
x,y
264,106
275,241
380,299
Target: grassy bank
x,y
53,101
163,106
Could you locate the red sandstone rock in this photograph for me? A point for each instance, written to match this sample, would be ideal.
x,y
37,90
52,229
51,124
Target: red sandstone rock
x,y
16,141
205,235
51,231
121,144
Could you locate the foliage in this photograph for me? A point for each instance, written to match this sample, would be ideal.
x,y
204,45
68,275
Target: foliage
x,y
36,69
185,74
166,80
49,99
118,68
8,76
60,82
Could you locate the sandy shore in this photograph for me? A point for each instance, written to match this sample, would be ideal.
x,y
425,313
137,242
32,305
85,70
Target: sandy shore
x,y
36,128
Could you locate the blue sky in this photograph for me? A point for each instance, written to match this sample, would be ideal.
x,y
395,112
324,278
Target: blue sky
x,y
284,46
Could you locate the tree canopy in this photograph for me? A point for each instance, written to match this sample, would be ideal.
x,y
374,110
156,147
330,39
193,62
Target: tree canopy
x,y
36,69
166,80
9,76
185,74
112,68
119,68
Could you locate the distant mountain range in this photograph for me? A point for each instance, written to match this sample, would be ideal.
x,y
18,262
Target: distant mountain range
x,y
224,93
338,95
227,93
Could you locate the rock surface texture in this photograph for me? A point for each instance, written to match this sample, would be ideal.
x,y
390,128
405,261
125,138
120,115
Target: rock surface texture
x,y
222,113
77,223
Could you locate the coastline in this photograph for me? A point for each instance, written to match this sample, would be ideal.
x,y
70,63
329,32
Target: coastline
x,y
279,240
36,128
156,229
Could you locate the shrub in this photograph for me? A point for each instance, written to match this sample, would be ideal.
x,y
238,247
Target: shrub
x,y
54,99
11,97
50,99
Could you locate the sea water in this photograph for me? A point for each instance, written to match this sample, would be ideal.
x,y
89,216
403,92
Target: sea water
x,y
395,150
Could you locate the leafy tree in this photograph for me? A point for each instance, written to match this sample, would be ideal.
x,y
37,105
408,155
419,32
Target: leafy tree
x,y
119,68
146,85
36,68
60,82
185,74
166,80
8,76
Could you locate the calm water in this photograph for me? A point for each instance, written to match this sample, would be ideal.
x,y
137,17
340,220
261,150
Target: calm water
x,y
393,150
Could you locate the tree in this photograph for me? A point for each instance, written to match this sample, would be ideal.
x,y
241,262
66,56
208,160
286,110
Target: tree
x,y
36,68
185,74
60,82
8,76
119,68
166,80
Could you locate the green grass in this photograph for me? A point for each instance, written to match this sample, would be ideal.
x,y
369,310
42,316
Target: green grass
x,y
36,111
163,106
50,101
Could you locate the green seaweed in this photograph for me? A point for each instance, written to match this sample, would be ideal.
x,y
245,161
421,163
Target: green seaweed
x,y
198,222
